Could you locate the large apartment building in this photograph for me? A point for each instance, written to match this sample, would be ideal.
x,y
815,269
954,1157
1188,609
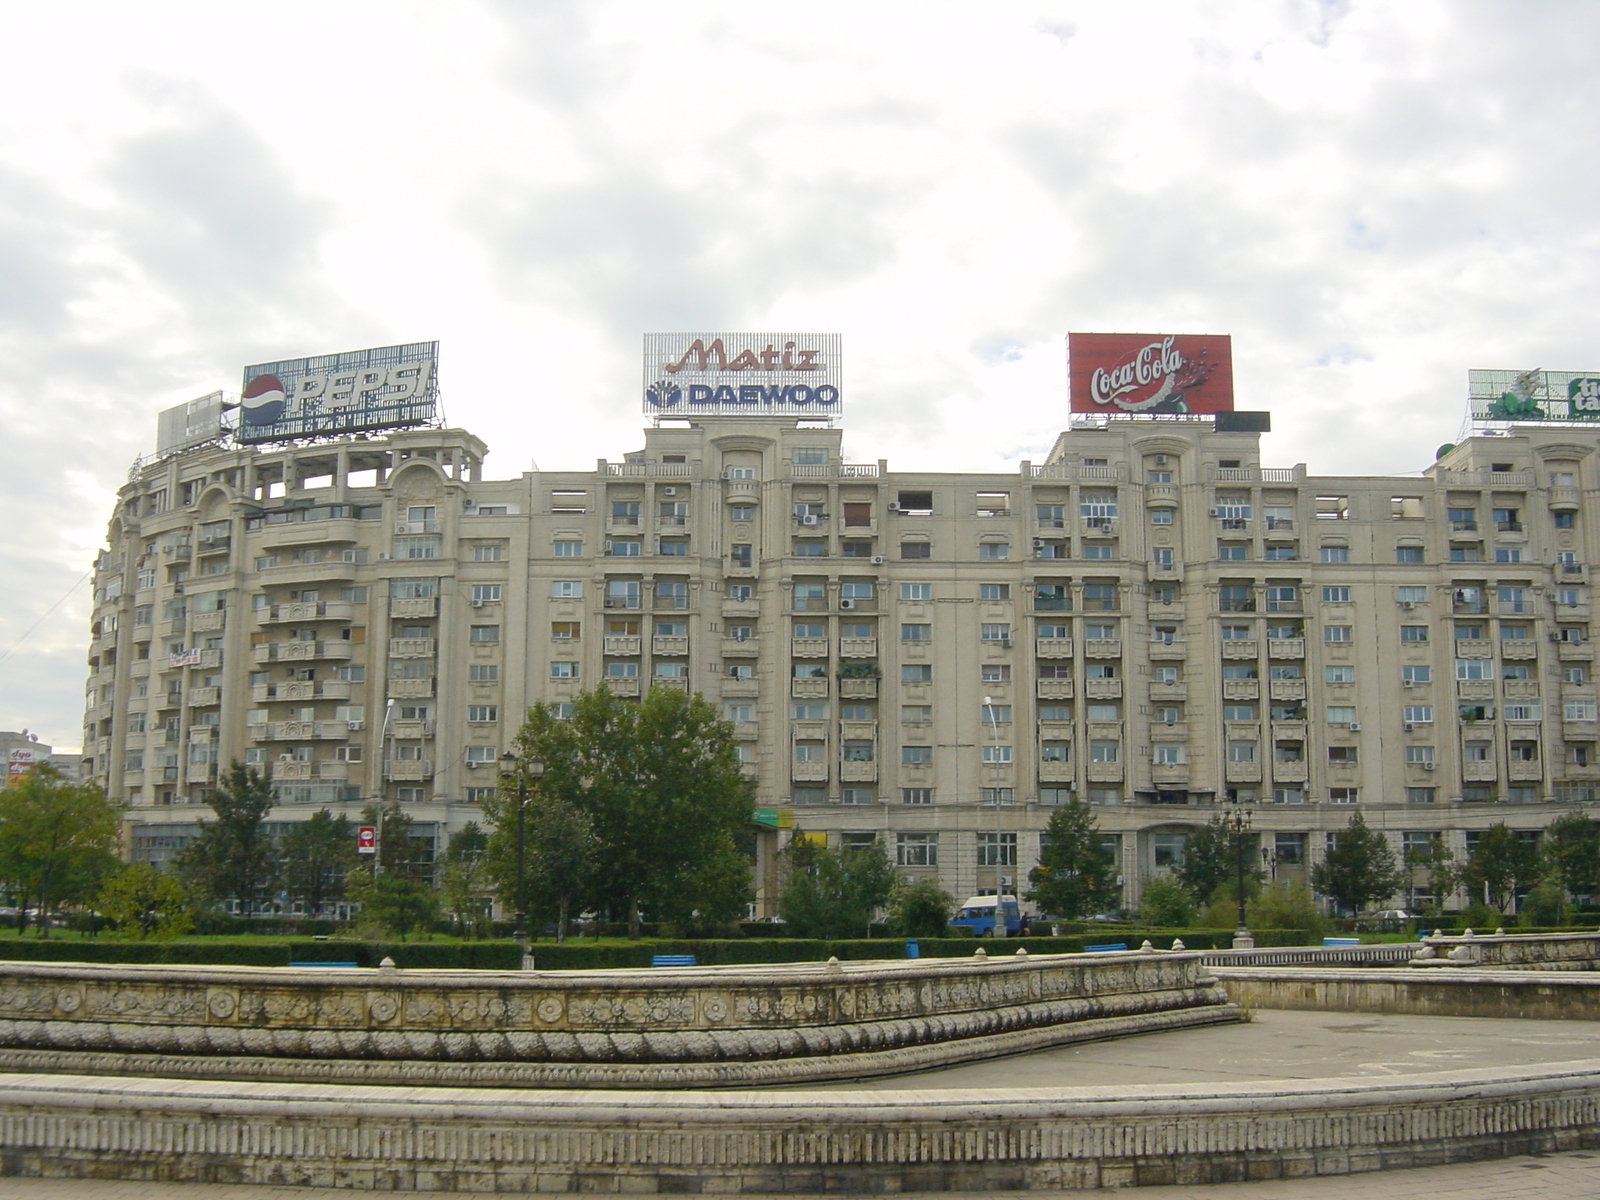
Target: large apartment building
x,y
1150,619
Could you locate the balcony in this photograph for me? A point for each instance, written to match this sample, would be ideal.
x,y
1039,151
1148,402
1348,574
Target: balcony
x,y
311,610
1574,651
217,545
1287,689
737,689
858,647
1286,647
669,645
293,772
741,608
1565,499
300,731
858,772
1520,689
1241,689
1165,651
1518,648
1053,647
1169,691
1244,772
740,647
676,683
620,685
1480,771
1474,648
1241,648
856,688
1102,689
409,769
1519,771
1288,772
809,772
208,622
409,728
1169,772
414,606
303,651
622,645
1104,772
1102,647
203,697
1054,689
808,647
200,773
1055,772
410,689
808,689
412,647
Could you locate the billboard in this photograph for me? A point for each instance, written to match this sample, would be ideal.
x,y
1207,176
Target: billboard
x,y
390,387
189,424
742,374
22,760
1150,372
1535,395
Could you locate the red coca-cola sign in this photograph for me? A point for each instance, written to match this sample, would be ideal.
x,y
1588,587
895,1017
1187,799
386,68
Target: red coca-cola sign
x,y
1150,372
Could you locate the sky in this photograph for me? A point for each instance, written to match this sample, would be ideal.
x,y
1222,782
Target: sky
x,y
1370,197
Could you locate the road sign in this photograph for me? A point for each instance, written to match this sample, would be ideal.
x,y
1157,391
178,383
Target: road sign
x,y
367,839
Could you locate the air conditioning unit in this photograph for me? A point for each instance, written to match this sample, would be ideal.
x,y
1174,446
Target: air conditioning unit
x,y
383,558
845,605
669,491
894,506
1355,726
404,527
1160,460
612,602
810,519
1408,683
1555,637
473,766
1005,643
1429,766
476,603
355,726
1408,728
1408,605
1214,512
876,560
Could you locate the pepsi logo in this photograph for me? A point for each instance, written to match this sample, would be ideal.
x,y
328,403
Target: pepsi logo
x,y
263,401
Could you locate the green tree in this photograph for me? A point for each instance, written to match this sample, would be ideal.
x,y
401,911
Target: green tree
x,y
1166,903
1443,872
1076,875
660,783
1211,858
1545,905
1572,848
830,893
56,842
398,851
921,909
1286,905
232,858
561,856
466,886
147,904
318,855
399,903
1359,868
1500,865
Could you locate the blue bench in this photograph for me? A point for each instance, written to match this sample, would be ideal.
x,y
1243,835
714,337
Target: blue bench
x,y
324,964
673,960
1105,947
1341,941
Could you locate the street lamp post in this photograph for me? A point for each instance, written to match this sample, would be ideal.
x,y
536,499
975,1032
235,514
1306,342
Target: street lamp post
x,y
1237,823
522,772
999,855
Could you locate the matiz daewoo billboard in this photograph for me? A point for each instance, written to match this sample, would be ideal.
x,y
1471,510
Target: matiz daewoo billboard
x,y
742,374
1150,372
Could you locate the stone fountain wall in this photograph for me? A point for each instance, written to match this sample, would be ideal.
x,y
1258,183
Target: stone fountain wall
x,y
663,1027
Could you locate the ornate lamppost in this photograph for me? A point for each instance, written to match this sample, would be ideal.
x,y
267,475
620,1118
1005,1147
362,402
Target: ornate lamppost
x,y
1237,823
521,772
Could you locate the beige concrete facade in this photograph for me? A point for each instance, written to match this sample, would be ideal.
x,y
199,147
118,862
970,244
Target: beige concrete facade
x,y
1159,621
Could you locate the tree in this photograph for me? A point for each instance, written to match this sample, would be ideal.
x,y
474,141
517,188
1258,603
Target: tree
x,y
466,886
1166,903
398,902
660,783
1359,868
1572,848
921,909
1286,905
561,854
56,842
147,904
397,852
318,856
1076,875
1443,872
830,893
1500,865
232,858
1211,858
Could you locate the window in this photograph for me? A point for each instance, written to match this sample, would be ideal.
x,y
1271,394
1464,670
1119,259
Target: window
x,y
566,589
811,455
486,593
858,750
997,755
1516,671
916,673
1103,750
1103,631
1336,633
995,795
994,673
484,633
1097,550
563,670
1408,554
1411,595
1334,554
1417,714
1573,675
1168,848
997,849
994,714
1166,675
1238,632
809,712
1284,671
742,512
483,673
1052,712
1343,795
1288,795
1242,752
1342,756
1474,668
1521,712
994,632
991,551
916,849
1240,712
1055,752
1341,714
1168,754
622,670
1416,674
1339,674
1336,595
916,795
809,629
1578,710
916,756
912,550
801,794
416,547
1161,516
916,591
806,752
1476,751
916,714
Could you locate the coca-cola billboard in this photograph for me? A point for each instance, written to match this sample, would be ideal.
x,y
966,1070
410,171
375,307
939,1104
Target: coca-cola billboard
x,y
1150,372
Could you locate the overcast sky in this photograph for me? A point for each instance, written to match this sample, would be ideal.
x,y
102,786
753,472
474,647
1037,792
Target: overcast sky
x,y
1370,197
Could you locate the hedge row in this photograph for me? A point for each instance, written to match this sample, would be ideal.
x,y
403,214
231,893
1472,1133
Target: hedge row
x,y
247,952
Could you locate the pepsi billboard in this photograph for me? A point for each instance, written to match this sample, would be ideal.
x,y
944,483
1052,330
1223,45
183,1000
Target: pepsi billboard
x,y
742,375
389,387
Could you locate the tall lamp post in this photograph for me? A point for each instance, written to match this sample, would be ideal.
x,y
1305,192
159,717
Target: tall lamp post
x,y
1237,823
520,771
999,856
